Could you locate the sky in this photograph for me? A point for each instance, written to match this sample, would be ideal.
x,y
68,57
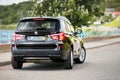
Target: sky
x,y
9,2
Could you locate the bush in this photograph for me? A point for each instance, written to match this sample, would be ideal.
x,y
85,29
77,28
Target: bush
x,y
7,27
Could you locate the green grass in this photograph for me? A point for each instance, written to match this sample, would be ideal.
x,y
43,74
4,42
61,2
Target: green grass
x,y
8,27
114,23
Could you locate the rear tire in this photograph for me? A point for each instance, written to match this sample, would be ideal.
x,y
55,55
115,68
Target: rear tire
x,y
69,62
81,57
16,64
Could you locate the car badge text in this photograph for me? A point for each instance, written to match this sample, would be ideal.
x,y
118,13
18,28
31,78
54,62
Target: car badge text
x,y
36,33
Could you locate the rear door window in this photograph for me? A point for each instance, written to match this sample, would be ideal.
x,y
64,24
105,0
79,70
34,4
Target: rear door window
x,y
30,24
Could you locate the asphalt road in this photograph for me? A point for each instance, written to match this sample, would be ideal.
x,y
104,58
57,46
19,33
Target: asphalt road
x,y
101,64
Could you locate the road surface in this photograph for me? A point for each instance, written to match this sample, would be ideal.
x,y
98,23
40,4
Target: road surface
x,y
101,64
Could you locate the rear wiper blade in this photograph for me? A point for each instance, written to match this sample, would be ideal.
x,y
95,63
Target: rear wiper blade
x,y
42,28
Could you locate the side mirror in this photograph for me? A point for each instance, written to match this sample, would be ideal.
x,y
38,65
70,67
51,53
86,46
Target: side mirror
x,y
78,31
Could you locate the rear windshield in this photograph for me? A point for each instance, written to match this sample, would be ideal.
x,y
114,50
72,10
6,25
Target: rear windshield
x,y
39,24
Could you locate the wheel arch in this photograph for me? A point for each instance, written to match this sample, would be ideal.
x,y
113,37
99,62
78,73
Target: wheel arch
x,y
72,47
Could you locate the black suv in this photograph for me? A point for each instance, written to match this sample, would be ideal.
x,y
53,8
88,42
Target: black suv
x,y
46,38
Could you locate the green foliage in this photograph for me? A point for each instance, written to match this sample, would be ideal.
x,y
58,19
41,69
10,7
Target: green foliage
x,y
114,23
94,7
87,29
11,14
8,27
113,4
79,12
107,19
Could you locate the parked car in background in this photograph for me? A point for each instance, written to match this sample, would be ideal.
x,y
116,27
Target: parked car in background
x,y
46,38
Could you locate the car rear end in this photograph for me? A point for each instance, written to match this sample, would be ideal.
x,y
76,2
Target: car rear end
x,y
39,38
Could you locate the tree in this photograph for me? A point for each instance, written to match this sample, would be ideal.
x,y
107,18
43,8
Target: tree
x,y
11,14
79,12
113,4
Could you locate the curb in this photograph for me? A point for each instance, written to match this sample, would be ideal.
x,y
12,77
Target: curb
x,y
91,39
5,63
102,45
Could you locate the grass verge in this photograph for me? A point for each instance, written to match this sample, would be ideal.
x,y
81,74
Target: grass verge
x,y
8,27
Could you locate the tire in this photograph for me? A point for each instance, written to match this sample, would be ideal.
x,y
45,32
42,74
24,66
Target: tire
x,y
81,57
16,64
69,62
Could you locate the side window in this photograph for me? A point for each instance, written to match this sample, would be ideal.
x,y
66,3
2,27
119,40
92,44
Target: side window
x,y
65,28
71,28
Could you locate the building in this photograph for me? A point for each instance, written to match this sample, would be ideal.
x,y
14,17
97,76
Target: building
x,y
112,12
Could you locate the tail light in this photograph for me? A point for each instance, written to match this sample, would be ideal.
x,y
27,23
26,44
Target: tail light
x,y
17,37
39,19
60,36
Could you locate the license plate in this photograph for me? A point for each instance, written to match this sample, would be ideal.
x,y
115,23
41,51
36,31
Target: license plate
x,y
36,38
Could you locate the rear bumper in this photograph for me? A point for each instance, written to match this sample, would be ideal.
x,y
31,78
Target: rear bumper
x,y
51,53
40,49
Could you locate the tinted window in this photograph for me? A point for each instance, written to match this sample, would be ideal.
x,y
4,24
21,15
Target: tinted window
x,y
71,28
68,27
39,23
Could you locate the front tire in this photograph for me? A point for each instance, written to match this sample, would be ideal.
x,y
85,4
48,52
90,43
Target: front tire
x,y
16,64
82,56
69,62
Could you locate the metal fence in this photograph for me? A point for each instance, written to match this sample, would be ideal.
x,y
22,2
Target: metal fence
x,y
6,35
99,33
